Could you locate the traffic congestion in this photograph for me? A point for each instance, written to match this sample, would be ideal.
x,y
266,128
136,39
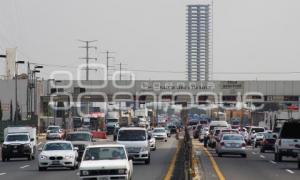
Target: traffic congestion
x,y
223,139
112,153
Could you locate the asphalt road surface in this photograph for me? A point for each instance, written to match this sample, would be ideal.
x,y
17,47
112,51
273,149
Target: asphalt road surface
x,y
21,169
258,166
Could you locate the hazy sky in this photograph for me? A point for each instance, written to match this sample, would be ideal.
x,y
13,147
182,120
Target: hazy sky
x,y
248,35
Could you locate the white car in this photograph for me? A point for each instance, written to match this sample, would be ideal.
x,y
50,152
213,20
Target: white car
x,y
160,134
108,161
152,141
136,141
58,154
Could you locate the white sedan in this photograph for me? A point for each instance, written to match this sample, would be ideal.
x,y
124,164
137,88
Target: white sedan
x,y
160,134
58,154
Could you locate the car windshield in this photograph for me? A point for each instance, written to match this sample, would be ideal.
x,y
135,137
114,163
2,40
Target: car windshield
x,y
104,153
290,131
159,130
132,135
111,120
258,130
57,147
232,138
269,136
11,138
53,128
78,137
260,134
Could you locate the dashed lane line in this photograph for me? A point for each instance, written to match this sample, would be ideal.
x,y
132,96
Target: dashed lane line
x,y
23,167
1,174
262,156
290,171
273,162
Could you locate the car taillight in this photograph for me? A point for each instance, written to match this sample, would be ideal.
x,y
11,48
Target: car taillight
x,y
222,144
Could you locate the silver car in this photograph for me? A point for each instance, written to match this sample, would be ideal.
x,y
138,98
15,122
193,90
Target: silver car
x,y
233,144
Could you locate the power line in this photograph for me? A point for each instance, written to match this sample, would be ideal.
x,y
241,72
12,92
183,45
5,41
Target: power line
x,y
87,58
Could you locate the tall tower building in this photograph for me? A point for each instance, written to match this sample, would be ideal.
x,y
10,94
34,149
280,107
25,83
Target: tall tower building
x,y
199,45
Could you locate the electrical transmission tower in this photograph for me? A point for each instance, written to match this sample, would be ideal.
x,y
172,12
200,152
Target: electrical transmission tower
x,y
87,57
108,66
121,68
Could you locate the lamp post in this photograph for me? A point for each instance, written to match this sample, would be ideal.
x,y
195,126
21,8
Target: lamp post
x,y
16,90
54,108
35,70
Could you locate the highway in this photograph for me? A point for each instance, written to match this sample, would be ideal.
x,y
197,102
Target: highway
x,y
19,169
258,166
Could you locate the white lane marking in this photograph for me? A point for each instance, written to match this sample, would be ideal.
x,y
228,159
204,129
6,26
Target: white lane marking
x,y
290,171
253,152
24,166
1,174
262,156
273,162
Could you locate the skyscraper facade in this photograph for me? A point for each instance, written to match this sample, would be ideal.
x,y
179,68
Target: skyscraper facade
x,y
199,37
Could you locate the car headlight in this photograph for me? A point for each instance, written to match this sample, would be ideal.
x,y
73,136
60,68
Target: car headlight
x,y
42,157
69,156
122,171
143,149
85,173
27,145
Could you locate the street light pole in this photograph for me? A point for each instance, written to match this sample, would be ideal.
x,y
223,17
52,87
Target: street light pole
x,y
16,90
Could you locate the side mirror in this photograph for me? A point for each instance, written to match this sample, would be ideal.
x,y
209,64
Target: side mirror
x,y
76,149
275,136
149,137
32,139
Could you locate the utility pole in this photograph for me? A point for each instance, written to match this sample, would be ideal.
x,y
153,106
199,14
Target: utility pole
x,y
108,58
120,69
87,57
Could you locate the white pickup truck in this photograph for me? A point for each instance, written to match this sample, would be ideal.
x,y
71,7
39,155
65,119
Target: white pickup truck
x,y
288,142
19,142
106,162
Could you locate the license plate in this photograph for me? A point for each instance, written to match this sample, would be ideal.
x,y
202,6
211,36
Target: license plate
x,y
103,178
55,162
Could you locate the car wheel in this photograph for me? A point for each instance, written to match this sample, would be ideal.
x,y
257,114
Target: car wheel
x,y
262,150
219,155
42,168
244,155
277,157
29,157
3,158
147,161
299,164
166,140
